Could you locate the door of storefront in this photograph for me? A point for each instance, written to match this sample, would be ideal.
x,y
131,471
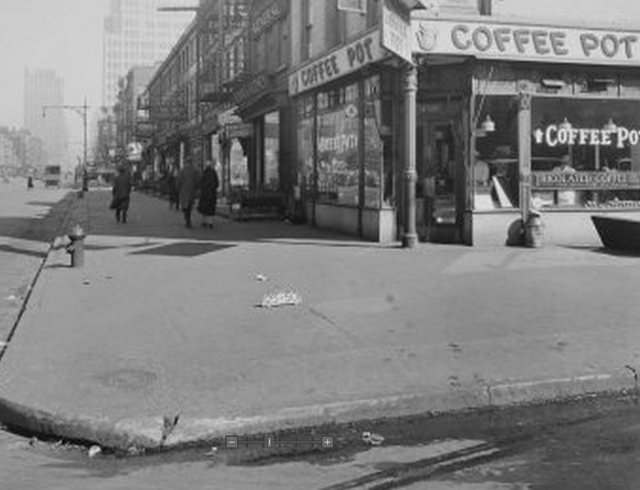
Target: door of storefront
x,y
442,179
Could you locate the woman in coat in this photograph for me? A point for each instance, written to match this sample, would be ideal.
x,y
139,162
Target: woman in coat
x,y
121,194
188,187
208,194
172,188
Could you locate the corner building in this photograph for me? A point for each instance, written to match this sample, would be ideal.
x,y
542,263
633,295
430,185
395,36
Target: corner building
x,y
510,116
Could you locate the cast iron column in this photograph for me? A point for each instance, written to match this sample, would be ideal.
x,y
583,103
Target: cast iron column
x,y
410,87
524,152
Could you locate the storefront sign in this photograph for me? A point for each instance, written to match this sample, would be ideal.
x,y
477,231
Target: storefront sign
x,y
338,63
526,42
585,180
396,31
145,129
341,143
249,90
555,135
238,130
267,17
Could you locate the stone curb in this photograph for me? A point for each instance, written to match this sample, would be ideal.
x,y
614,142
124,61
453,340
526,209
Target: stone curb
x,y
152,434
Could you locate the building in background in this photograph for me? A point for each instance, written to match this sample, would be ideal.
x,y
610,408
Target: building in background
x,y
136,33
172,104
9,163
128,115
45,88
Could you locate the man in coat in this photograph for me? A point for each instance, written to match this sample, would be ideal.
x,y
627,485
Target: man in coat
x,y
188,186
121,194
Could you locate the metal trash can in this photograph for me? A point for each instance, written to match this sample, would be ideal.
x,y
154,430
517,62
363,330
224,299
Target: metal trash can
x,y
534,230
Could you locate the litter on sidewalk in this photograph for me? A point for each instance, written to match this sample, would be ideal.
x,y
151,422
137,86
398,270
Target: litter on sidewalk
x,y
372,438
281,298
94,451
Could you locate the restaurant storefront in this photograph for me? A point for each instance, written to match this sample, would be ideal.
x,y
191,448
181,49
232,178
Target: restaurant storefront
x,y
518,117
344,115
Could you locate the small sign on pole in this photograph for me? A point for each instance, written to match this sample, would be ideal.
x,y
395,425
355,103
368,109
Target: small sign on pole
x,y
353,6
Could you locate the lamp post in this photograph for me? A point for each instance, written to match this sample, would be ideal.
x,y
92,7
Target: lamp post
x,y
82,111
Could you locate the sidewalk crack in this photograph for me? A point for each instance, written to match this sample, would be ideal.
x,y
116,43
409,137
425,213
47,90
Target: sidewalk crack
x,y
328,320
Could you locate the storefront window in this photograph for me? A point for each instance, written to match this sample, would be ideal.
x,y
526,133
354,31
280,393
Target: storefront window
x,y
495,168
585,153
373,147
337,133
271,150
305,144
238,165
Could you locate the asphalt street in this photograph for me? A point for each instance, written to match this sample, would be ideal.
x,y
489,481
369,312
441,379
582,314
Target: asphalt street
x,y
588,444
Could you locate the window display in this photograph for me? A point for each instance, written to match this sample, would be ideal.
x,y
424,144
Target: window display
x,y
496,172
337,133
585,153
271,150
373,147
305,144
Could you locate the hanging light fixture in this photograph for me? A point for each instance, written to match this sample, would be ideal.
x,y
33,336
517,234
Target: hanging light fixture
x,y
565,125
610,126
488,125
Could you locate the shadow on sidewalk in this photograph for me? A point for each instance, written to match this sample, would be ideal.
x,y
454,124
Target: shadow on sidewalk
x,y
22,251
42,227
603,250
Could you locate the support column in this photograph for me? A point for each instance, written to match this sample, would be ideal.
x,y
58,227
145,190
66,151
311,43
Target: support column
x,y
524,152
410,87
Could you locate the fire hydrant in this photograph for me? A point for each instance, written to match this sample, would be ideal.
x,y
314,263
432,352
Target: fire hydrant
x,y
76,247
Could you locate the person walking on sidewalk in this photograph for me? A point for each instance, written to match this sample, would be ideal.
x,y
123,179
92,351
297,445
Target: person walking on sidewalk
x,y
208,194
188,185
172,188
121,194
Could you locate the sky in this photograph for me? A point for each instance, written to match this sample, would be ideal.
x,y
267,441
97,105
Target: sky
x,y
63,35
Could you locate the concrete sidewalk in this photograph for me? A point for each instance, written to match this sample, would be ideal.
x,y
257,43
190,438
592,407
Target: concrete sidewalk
x,y
163,321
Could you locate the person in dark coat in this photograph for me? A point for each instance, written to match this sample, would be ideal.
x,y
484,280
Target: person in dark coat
x,y
121,194
188,187
172,188
208,194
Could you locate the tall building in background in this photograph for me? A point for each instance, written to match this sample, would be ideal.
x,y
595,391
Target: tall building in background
x,y
45,88
136,33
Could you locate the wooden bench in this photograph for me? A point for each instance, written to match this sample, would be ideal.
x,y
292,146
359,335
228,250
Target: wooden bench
x,y
245,204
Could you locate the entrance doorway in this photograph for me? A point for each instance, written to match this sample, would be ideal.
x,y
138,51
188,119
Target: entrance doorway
x,y
441,169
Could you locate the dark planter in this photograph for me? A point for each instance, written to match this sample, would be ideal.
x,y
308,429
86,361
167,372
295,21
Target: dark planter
x,y
618,233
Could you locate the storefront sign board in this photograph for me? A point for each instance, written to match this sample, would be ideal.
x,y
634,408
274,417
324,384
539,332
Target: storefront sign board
x,y
338,63
527,42
267,17
586,180
396,30
555,135
238,130
256,86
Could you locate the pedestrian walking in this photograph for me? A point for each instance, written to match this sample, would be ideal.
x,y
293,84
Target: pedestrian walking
x,y
188,186
121,194
29,182
208,194
172,188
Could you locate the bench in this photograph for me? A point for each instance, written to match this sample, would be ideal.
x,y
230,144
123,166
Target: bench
x,y
245,204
